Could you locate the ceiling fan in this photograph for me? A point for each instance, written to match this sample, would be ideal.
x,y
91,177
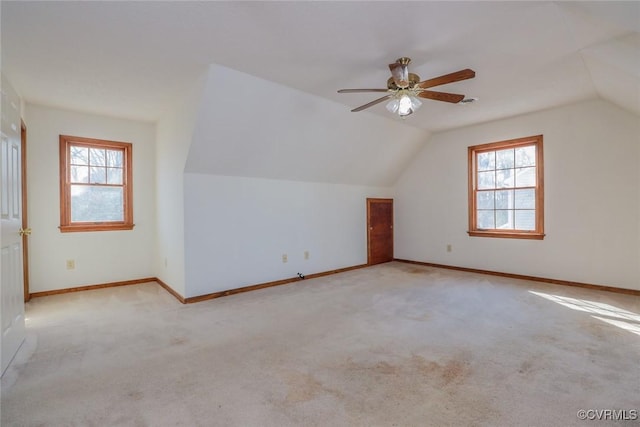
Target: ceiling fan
x,y
404,89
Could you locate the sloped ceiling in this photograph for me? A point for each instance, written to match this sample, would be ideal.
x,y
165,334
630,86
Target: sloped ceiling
x,y
132,59
294,136
608,39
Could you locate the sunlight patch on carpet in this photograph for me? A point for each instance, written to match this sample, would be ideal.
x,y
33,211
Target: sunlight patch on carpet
x,y
615,316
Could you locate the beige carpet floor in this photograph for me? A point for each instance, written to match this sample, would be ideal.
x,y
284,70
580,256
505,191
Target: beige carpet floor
x,y
389,345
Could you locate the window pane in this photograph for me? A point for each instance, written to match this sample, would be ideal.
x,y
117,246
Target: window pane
x,y
114,176
486,180
79,174
487,161
525,199
526,177
504,199
114,158
98,176
486,220
485,199
97,157
96,204
504,159
79,155
526,220
504,178
526,156
504,219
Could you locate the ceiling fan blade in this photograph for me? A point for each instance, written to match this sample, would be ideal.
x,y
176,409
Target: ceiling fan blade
x,y
447,78
362,90
372,103
441,96
400,74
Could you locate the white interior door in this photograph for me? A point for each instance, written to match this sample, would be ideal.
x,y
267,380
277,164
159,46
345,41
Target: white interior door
x,y
11,285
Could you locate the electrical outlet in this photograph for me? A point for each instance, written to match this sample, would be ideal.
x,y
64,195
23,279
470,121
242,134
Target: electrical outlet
x,y
306,254
449,248
71,264
284,258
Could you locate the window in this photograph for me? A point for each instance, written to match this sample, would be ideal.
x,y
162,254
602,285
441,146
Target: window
x,y
506,189
95,185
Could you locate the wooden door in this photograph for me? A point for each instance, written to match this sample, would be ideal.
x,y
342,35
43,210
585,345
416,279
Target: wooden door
x,y
379,230
11,284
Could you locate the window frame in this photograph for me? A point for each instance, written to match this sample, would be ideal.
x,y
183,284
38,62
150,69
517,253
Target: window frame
x,y
66,225
473,152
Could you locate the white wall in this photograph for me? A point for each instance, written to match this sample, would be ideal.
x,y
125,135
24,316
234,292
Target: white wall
x,y
174,136
100,257
592,199
273,170
237,229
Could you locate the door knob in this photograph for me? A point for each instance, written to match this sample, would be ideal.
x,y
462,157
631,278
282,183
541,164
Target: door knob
x,y
24,231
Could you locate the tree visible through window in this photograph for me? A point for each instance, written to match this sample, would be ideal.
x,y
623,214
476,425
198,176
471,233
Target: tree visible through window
x,y
506,189
95,185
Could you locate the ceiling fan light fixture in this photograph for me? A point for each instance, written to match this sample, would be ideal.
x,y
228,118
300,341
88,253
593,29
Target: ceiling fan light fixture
x,y
404,104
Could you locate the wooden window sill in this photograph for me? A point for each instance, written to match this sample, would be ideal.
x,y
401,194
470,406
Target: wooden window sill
x,y
95,227
508,234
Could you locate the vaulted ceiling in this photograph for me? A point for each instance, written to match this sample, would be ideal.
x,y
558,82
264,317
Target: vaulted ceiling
x,y
133,59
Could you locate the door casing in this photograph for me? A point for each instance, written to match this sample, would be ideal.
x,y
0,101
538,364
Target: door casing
x,y
25,219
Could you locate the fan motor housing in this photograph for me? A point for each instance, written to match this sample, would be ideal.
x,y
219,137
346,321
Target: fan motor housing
x,y
413,80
